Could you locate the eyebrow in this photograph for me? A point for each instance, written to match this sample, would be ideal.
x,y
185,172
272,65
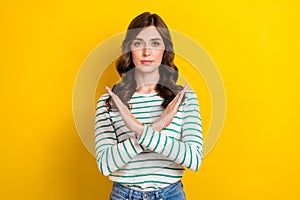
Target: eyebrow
x,y
150,39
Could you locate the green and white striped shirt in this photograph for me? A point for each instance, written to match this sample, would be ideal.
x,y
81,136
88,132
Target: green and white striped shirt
x,y
156,159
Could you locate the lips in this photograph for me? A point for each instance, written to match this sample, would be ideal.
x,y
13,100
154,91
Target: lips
x,y
146,62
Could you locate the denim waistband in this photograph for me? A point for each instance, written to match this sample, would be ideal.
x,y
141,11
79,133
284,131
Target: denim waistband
x,y
128,193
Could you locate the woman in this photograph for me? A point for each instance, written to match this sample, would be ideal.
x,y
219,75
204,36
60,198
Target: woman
x,y
148,129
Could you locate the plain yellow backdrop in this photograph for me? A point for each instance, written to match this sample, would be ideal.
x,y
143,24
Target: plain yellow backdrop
x,y
253,43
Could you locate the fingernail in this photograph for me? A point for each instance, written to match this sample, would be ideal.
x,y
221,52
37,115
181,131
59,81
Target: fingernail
x,y
186,85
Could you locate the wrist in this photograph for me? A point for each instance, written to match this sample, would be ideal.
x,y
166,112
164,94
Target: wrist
x,y
139,130
156,126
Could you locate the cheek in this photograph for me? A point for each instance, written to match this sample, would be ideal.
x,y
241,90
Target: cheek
x,y
159,55
135,57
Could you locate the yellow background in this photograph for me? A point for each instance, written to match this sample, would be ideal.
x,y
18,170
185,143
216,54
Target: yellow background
x,y
254,44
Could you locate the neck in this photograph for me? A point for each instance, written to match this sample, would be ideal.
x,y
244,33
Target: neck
x,y
146,82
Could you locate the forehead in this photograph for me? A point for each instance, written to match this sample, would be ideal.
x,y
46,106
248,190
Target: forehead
x,y
148,33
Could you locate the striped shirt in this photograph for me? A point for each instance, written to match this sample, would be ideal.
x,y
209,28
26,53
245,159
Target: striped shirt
x,y
157,158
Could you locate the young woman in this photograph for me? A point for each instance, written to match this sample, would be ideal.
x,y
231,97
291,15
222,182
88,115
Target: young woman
x,y
147,128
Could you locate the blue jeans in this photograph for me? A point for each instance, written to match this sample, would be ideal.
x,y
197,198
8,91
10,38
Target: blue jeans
x,y
172,192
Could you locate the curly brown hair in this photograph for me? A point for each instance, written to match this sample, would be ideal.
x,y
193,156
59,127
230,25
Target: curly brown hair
x,y
168,72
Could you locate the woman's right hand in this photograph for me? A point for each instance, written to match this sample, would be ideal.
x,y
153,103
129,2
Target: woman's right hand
x,y
167,116
129,120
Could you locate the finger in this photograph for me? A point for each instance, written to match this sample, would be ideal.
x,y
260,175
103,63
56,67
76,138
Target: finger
x,y
186,86
109,91
174,100
182,92
116,99
177,99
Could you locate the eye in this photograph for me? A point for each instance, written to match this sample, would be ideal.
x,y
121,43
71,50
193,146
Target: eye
x,y
155,44
137,44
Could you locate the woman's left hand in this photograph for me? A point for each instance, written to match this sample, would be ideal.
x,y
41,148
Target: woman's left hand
x,y
167,116
130,121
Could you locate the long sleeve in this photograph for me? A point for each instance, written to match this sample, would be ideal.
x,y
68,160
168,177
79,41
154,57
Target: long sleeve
x,y
186,152
111,155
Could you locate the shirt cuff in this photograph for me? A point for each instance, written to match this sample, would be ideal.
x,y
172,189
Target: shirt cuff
x,y
135,145
146,136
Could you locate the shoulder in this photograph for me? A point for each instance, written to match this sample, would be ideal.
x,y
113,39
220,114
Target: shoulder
x,y
103,97
190,94
101,100
190,97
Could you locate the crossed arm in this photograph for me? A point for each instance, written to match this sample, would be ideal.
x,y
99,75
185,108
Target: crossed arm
x,y
111,155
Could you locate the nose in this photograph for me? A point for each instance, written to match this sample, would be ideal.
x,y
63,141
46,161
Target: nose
x,y
146,51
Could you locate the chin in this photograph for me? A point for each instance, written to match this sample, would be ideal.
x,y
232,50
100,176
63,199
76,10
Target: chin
x,y
147,68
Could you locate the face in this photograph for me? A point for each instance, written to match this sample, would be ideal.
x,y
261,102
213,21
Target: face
x,y
147,50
